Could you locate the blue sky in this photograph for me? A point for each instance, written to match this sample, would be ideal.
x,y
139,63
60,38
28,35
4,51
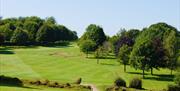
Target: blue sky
x,y
109,14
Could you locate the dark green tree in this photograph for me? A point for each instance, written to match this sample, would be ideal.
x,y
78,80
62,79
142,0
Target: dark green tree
x,y
123,56
149,49
45,34
19,37
7,32
1,38
32,28
94,33
87,46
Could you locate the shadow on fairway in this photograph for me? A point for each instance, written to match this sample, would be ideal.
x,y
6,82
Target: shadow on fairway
x,y
161,77
137,73
11,85
110,64
59,46
102,58
6,50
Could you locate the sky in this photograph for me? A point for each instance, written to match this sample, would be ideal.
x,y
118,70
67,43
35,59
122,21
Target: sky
x,y
111,15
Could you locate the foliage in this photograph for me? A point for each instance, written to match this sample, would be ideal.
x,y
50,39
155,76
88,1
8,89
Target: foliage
x,y
136,83
120,82
45,34
32,28
123,55
177,78
1,38
124,38
173,88
38,29
87,46
19,37
6,31
94,33
149,50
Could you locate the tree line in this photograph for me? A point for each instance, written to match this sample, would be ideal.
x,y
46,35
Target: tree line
x,y
151,48
30,30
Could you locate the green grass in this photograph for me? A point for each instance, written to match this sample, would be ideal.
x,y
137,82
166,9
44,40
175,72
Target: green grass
x,y
38,88
66,64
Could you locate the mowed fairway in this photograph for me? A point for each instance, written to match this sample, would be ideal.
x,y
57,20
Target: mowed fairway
x,y
66,64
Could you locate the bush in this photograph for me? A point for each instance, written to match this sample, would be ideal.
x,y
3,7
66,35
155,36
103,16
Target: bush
x,y
10,81
46,82
78,81
120,82
173,88
136,83
177,79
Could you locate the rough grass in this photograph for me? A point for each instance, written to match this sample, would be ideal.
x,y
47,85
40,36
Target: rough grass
x,y
67,64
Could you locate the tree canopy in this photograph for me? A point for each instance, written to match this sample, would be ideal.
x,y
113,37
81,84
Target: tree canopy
x,y
38,30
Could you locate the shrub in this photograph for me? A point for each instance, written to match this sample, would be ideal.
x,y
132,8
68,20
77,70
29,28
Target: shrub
x,y
177,79
136,83
10,81
53,84
173,88
38,82
120,82
68,85
46,82
78,81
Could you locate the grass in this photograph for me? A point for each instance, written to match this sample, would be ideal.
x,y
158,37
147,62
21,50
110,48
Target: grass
x,y
67,64
38,88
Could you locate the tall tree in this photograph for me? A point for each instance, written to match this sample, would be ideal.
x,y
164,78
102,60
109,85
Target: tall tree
x,y
1,38
19,37
149,49
45,34
123,55
32,28
94,33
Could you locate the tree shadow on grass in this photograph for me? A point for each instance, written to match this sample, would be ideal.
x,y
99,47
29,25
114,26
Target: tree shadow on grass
x,y
161,77
137,73
110,64
6,50
102,58
11,85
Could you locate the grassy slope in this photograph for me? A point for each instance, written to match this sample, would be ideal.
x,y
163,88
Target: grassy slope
x,y
66,64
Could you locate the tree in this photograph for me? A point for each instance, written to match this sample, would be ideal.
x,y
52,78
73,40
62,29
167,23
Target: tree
x,y
45,34
123,55
47,29
87,46
124,37
149,49
140,56
51,20
32,28
7,32
100,53
171,50
19,37
94,33
1,38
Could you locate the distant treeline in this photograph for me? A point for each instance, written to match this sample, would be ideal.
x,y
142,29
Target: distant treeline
x,y
33,30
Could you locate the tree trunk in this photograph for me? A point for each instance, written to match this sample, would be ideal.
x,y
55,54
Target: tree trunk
x,y
124,68
97,60
143,73
151,71
87,54
171,71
